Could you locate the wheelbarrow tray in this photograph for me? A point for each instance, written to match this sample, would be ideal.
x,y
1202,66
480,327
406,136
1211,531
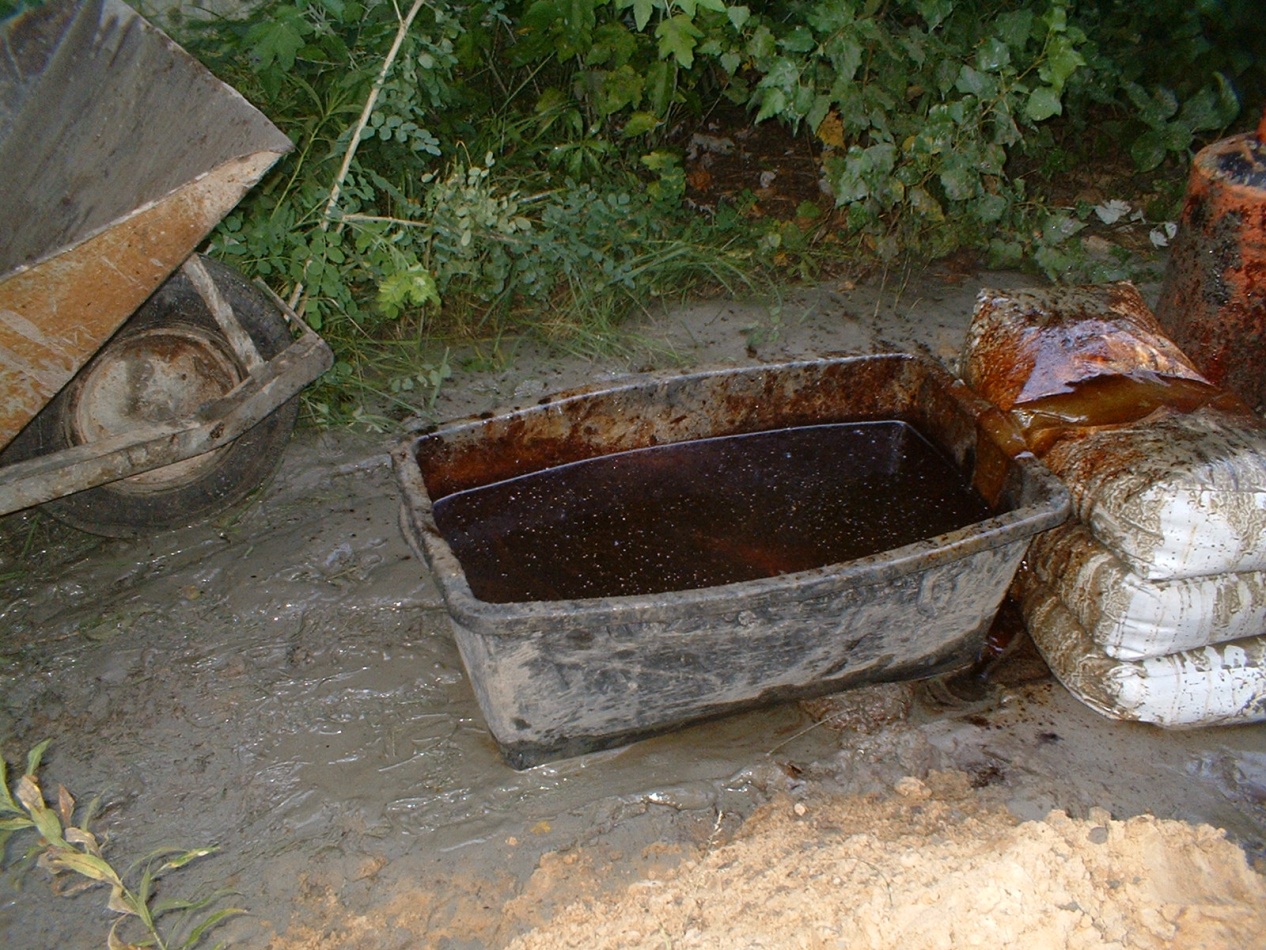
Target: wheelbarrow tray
x,y
563,677
120,153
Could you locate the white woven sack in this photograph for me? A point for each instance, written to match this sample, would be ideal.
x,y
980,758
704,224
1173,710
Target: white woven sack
x,y
1209,686
1131,618
1175,495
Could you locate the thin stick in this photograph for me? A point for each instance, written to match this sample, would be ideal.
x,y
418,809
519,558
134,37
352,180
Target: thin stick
x,y
371,100
794,736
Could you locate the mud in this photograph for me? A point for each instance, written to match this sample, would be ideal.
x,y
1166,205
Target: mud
x,y
282,684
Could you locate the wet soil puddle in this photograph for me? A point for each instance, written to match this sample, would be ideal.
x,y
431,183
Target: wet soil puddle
x,y
707,512
284,685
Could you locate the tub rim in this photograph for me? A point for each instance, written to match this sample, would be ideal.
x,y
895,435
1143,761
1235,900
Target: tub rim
x,y
1048,506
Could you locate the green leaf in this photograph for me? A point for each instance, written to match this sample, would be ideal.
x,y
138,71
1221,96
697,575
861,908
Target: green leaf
x,y
1056,18
540,15
659,161
277,39
817,111
620,89
1005,254
642,10
6,799
313,315
738,16
1156,108
762,44
934,12
1015,28
799,40
35,756
640,123
1062,60
925,205
678,37
1150,148
171,904
661,81
212,921
180,860
959,177
579,15
803,101
772,103
992,55
1053,262
414,285
1210,109
1059,227
614,45
86,865
550,100
1043,103
846,55
975,83
990,208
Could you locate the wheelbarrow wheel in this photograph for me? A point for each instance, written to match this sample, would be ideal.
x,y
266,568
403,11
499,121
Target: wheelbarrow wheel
x,y
175,343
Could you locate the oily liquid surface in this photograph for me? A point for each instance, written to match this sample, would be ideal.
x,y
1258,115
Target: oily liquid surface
x,y
703,513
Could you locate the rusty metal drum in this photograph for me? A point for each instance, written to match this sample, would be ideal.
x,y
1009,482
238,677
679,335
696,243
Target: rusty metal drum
x,y
1213,302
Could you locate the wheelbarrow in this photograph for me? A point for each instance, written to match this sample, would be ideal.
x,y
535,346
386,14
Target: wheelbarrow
x,y
142,386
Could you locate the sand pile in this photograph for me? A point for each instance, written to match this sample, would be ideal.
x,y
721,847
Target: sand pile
x,y
934,865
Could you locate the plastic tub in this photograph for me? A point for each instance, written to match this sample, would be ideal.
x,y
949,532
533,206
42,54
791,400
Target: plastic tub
x,y
563,677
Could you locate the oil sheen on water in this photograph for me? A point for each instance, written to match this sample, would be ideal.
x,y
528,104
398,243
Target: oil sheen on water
x,y
708,512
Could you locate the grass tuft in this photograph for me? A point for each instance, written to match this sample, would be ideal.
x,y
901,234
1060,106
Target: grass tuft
x,y
74,857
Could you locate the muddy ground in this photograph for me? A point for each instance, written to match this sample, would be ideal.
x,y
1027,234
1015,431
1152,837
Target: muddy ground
x,y
282,684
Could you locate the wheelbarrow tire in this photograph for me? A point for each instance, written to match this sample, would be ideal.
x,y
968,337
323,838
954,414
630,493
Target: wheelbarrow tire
x,y
150,503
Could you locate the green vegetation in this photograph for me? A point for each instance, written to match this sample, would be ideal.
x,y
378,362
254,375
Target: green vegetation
x,y
73,855
468,168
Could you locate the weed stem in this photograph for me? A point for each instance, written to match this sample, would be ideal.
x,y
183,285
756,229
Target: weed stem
x,y
336,190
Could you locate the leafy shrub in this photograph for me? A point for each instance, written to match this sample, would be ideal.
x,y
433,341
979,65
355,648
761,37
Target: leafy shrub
x,y
939,122
920,108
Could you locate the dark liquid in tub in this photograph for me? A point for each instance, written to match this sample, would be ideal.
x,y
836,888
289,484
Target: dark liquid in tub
x,y
713,511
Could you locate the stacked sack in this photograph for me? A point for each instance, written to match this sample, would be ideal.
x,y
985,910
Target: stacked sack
x,y
1151,603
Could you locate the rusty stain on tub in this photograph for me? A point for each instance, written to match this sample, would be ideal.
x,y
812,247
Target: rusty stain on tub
x,y
570,428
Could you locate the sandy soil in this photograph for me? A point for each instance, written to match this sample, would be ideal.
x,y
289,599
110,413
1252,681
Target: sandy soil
x,y
934,865
282,684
